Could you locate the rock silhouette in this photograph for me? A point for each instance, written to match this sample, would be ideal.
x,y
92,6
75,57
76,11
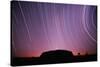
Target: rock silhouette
x,y
57,56
52,57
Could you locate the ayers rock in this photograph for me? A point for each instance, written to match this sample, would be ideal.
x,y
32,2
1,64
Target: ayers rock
x,y
57,56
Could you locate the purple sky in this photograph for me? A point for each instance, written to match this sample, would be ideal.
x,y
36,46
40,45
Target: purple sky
x,y
39,27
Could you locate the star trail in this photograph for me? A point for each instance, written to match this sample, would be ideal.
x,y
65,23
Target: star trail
x,y
38,27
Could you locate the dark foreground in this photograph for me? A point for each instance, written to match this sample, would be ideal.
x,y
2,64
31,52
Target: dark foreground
x,y
52,57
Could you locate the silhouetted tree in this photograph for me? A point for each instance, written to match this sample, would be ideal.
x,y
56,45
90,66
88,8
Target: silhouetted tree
x,y
79,54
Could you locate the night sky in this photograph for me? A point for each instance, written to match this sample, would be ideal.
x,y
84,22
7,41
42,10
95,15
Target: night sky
x,y
39,27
